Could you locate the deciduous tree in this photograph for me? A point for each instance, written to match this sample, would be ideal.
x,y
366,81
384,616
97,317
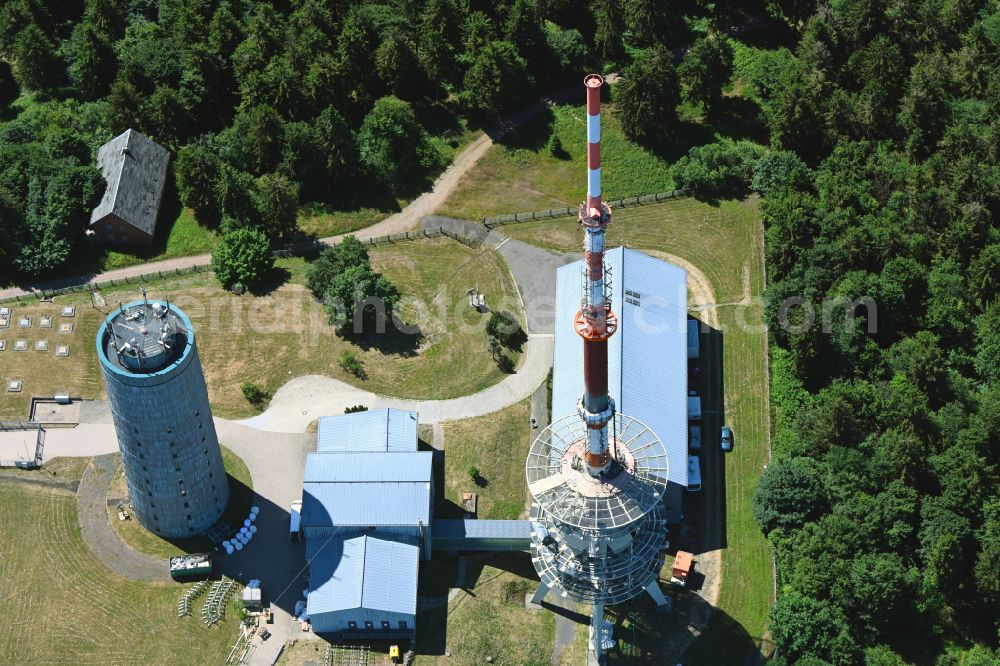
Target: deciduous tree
x,y
243,256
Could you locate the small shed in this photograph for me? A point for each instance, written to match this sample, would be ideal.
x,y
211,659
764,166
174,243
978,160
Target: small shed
x,y
683,564
251,597
135,169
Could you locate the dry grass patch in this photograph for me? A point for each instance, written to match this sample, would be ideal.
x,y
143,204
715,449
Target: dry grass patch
x,y
719,239
488,619
44,373
275,337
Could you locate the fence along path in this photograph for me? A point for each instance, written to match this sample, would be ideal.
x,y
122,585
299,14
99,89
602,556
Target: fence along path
x,y
302,249
314,247
644,200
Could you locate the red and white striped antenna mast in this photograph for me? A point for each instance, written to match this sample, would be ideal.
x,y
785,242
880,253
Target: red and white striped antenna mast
x,y
595,322
598,530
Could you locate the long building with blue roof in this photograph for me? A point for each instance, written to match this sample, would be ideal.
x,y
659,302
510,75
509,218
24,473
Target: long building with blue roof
x,y
647,357
367,501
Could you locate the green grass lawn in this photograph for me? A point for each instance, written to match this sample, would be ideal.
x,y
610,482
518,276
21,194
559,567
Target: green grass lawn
x,y
63,606
144,541
185,237
520,174
274,337
488,619
716,239
497,444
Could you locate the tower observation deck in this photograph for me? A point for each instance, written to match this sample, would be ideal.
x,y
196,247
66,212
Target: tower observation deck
x,y
597,479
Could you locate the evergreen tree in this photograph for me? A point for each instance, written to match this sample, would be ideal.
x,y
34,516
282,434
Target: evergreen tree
x,y
703,72
243,257
647,97
497,80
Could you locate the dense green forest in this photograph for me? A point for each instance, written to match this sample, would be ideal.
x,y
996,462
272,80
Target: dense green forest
x,y
265,105
880,197
879,185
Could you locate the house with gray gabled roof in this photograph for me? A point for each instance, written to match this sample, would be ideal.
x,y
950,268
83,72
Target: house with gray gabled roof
x,y
135,169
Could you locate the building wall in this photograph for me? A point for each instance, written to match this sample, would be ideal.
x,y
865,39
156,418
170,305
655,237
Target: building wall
x,y
319,533
337,622
111,229
170,451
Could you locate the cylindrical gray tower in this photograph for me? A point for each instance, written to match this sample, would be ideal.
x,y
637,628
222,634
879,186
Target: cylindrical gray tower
x,y
159,401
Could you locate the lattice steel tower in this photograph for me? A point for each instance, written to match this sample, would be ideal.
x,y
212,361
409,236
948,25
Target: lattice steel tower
x,y
598,478
170,451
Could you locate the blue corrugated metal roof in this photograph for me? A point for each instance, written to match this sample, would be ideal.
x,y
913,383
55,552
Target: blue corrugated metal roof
x,y
368,467
373,430
481,529
365,504
647,357
364,572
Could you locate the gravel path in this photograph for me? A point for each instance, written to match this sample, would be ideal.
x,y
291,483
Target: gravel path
x,y
92,507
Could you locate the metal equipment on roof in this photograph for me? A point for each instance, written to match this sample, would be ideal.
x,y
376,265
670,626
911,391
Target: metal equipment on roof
x,y
597,478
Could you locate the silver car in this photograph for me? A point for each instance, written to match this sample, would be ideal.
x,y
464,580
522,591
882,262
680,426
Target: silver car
x,y
727,439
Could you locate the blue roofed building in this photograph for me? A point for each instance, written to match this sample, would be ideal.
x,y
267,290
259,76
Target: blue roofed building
x,y
364,587
374,430
647,357
464,534
367,500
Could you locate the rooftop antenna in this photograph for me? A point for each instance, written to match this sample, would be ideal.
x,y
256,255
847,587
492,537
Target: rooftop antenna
x,y
595,322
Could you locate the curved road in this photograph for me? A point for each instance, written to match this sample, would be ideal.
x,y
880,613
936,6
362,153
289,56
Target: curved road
x,y
304,398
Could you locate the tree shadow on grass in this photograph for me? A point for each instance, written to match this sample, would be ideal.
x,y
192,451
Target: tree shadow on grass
x,y
389,341
736,118
275,279
532,135
739,118
355,196
438,118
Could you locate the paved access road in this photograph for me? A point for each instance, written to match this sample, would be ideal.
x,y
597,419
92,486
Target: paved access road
x,y
305,398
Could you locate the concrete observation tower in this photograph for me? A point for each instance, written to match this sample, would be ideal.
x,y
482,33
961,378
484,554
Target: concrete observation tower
x,y
159,402
597,479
